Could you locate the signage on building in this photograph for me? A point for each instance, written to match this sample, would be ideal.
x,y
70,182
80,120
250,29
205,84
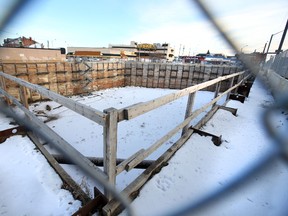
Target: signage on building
x,y
146,46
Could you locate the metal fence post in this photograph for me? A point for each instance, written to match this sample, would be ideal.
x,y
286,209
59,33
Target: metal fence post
x,y
110,146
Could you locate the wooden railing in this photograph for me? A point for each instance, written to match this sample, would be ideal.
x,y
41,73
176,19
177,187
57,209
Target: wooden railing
x,y
110,118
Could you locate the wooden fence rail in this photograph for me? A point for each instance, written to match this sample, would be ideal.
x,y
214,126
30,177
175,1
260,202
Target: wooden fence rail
x,y
139,109
147,106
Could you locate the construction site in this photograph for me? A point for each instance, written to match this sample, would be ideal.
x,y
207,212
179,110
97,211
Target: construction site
x,y
138,137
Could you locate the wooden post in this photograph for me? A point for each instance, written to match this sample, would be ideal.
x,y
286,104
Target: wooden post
x,y
189,107
23,96
217,89
240,79
230,86
110,147
3,86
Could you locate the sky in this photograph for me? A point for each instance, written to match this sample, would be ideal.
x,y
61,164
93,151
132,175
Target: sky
x,y
91,23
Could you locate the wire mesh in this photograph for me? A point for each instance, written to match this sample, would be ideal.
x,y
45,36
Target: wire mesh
x,y
279,64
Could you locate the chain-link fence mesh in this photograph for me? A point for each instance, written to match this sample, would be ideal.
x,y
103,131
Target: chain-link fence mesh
x,y
278,64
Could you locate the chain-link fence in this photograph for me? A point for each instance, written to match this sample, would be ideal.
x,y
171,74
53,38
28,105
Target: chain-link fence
x,y
278,64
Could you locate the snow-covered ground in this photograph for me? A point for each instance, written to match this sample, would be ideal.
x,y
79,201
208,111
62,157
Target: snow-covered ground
x,y
29,186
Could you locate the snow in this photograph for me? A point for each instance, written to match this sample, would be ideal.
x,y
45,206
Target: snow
x,y
28,185
196,168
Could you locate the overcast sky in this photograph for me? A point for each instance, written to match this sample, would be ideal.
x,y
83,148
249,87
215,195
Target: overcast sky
x,y
99,23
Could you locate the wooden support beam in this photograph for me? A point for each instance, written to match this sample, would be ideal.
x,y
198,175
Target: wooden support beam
x,y
237,97
217,89
230,86
217,140
3,86
110,146
189,107
23,96
93,206
4,134
230,109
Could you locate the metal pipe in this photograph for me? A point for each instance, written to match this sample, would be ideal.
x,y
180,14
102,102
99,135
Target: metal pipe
x,y
271,40
283,38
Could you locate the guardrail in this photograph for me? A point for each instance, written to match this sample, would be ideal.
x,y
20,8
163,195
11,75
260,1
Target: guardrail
x,y
110,118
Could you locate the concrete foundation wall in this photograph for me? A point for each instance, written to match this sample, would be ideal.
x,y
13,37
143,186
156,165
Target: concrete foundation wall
x,y
71,78
172,76
65,78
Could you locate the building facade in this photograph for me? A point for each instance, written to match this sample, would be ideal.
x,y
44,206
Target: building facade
x,y
20,54
156,52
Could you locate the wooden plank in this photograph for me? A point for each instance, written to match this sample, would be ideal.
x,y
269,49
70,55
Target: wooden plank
x,y
134,111
114,207
230,85
190,104
84,110
3,86
230,109
123,165
217,140
73,187
92,207
217,89
110,147
4,134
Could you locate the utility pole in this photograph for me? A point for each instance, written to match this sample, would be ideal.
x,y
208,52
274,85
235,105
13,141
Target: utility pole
x,y
283,38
